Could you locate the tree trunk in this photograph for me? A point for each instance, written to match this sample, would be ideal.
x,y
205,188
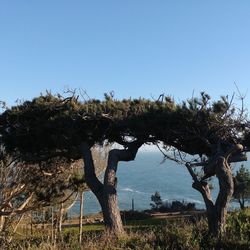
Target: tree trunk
x,y
242,203
111,212
204,189
59,220
226,184
106,193
216,213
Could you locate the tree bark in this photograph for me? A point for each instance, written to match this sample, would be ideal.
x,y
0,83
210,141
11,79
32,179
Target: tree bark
x,y
216,212
203,188
106,193
89,170
226,185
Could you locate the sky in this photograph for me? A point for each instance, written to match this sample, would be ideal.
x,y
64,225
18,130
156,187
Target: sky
x,y
136,48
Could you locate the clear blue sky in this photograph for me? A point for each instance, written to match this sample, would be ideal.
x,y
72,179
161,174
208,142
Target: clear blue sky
x,y
133,47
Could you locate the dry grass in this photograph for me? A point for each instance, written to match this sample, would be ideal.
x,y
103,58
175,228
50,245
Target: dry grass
x,y
147,235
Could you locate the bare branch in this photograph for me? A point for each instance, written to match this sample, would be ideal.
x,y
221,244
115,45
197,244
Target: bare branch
x,y
191,172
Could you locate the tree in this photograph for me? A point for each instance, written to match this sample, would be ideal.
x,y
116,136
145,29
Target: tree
x,y
68,129
157,201
215,135
215,132
52,126
242,186
26,188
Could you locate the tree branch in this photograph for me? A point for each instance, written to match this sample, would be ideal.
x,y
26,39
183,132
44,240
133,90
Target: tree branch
x,y
114,157
89,169
191,172
202,187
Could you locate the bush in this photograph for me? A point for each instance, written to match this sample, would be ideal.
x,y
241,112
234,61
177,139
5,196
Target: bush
x,y
134,215
238,225
176,206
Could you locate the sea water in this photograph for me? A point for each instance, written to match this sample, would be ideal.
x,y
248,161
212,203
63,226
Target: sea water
x,y
148,173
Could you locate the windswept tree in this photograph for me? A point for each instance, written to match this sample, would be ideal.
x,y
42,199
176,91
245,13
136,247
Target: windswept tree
x,y
214,133
52,126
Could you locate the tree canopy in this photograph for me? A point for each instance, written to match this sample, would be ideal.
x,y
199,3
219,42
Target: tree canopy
x,y
51,125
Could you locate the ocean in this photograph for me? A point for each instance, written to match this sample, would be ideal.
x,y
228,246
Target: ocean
x,y
141,178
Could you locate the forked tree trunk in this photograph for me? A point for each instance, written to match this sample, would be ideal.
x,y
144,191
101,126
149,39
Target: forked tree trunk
x,y
226,185
216,212
106,193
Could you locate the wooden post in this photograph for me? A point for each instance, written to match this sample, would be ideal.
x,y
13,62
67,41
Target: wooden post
x,y
52,224
81,216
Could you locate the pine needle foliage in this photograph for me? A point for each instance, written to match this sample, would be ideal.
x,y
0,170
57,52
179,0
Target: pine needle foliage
x,y
51,125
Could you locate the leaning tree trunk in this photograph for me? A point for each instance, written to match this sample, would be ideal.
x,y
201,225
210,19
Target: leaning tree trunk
x,y
106,193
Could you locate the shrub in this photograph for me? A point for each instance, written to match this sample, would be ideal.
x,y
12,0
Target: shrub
x,y
134,215
238,225
176,206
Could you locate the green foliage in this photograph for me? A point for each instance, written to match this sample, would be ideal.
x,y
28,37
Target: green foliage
x,y
51,125
174,236
157,201
77,181
242,185
175,206
238,225
133,215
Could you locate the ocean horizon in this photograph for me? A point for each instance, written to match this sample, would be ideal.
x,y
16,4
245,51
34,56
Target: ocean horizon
x,y
148,173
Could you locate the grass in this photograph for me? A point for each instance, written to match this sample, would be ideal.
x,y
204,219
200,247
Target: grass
x,y
148,233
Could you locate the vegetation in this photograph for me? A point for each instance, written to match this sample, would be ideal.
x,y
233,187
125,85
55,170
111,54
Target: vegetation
x,y
160,234
156,201
242,186
46,191
54,128
26,188
174,206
